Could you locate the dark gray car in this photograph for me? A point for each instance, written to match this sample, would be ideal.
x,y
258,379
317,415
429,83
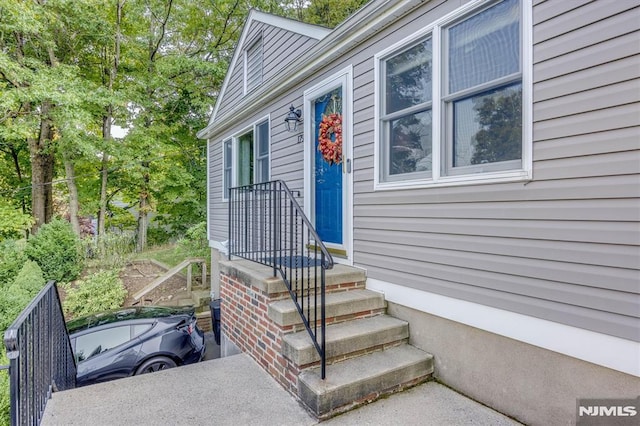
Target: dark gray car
x,y
132,341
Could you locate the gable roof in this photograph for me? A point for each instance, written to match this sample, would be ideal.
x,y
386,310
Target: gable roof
x,y
367,21
312,31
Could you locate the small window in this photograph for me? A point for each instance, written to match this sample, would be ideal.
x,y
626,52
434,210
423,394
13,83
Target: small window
x,y
92,344
253,66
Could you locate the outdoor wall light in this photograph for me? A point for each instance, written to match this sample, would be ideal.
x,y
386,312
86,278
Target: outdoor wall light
x,y
292,120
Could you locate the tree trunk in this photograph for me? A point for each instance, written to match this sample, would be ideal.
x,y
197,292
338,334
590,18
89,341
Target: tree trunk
x,y
107,121
42,165
143,210
73,193
104,174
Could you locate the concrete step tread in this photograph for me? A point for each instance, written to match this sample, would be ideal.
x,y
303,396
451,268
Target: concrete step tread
x,y
351,380
284,312
261,276
346,337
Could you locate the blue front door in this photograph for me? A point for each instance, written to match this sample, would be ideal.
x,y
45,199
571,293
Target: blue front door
x,y
328,168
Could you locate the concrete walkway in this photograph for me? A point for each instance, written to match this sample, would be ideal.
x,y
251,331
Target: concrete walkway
x,y
236,391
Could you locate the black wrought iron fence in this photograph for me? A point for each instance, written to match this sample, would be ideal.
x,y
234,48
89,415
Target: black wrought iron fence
x,y
40,357
268,226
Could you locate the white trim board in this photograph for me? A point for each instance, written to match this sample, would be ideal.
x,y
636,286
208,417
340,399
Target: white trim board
x,y
597,348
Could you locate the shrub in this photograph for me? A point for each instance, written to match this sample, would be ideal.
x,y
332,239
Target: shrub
x,y
98,292
195,243
12,258
157,236
111,250
29,280
57,250
17,296
13,222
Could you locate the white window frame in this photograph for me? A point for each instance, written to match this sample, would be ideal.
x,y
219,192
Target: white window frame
x,y
226,185
235,153
257,42
435,31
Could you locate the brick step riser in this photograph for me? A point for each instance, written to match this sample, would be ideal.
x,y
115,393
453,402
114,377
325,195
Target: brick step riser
x,y
304,291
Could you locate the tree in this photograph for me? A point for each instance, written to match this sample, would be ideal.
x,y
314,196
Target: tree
x,y
329,13
500,135
70,70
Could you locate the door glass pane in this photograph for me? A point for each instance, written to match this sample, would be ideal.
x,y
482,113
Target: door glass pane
x,y
410,143
485,47
245,159
488,127
408,78
95,343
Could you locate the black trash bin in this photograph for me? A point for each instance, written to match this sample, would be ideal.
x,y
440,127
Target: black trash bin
x,y
214,305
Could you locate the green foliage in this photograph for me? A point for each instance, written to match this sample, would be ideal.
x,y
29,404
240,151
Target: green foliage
x,y
195,242
4,390
12,258
157,235
30,280
17,296
110,251
57,249
98,292
330,13
13,223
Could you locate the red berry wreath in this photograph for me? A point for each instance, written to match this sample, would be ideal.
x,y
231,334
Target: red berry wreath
x,y
331,125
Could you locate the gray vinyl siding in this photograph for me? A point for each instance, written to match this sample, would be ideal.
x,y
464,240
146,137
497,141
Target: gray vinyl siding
x,y
278,45
563,247
218,228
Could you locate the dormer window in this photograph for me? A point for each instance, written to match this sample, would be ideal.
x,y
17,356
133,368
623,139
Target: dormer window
x,y
253,66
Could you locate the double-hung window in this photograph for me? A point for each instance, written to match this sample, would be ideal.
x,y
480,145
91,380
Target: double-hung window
x,y
245,158
450,100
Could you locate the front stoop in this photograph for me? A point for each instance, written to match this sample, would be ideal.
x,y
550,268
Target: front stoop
x,y
367,352
368,355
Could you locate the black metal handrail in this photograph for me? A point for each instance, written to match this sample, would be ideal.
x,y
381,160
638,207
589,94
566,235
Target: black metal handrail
x,y
40,357
268,226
